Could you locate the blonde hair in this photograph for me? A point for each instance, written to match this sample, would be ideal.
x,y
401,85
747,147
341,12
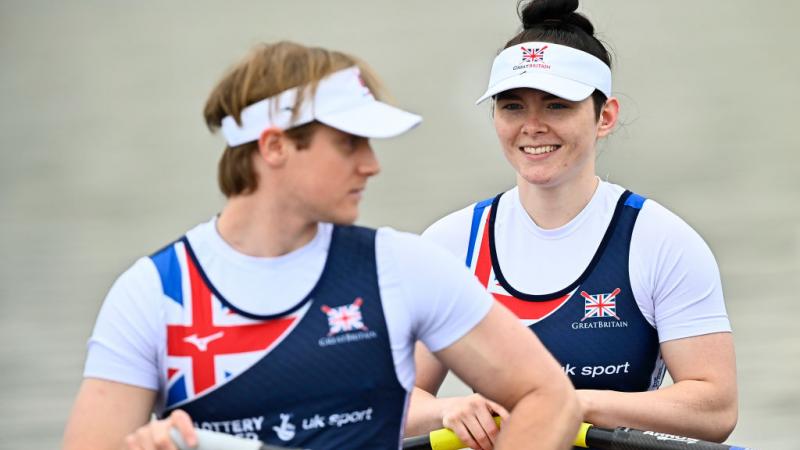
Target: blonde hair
x,y
267,70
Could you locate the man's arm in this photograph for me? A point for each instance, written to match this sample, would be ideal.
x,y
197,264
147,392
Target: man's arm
x,y
104,413
505,362
701,403
470,417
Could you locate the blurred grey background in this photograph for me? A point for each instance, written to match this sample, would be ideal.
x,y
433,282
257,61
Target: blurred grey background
x,y
105,156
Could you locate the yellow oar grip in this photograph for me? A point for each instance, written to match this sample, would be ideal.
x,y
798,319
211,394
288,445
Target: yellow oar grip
x,y
445,439
580,439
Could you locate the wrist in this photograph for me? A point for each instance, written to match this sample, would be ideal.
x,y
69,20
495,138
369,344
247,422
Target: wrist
x,y
443,406
588,403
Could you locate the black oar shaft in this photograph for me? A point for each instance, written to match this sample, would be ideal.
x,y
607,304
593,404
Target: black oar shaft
x,y
417,443
590,436
630,439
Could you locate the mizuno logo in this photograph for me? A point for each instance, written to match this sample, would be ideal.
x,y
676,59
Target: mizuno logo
x,y
202,342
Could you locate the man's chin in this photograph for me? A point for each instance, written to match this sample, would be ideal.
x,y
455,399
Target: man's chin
x,y
343,219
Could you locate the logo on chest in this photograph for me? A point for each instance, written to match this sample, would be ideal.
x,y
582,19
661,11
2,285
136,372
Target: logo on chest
x,y
345,324
208,344
600,311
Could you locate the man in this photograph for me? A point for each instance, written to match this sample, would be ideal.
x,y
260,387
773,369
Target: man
x,y
280,321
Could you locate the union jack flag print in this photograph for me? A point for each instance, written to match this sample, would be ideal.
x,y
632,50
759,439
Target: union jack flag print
x,y
533,54
600,305
342,319
207,343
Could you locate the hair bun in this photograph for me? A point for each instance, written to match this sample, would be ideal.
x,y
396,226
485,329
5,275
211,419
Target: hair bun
x,y
553,13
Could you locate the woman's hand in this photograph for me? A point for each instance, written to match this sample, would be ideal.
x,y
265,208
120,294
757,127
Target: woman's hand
x,y
156,434
472,419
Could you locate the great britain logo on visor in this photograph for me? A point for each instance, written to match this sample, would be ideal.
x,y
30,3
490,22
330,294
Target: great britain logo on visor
x,y
563,71
533,55
342,100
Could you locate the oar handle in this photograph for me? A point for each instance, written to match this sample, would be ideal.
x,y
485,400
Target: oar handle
x,y
446,439
208,440
588,436
211,440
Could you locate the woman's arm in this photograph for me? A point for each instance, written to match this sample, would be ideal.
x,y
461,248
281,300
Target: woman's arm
x,y
701,403
676,281
424,410
470,417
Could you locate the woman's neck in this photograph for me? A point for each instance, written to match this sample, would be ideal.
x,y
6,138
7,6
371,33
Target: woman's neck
x,y
554,206
257,226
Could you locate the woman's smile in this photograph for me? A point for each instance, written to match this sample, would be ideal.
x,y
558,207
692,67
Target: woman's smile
x,y
538,149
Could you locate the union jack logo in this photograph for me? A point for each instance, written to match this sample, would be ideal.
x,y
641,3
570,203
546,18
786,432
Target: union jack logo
x,y
207,343
533,54
342,319
600,305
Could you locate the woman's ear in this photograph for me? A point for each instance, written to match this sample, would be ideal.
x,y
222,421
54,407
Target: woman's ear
x,y
608,117
273,146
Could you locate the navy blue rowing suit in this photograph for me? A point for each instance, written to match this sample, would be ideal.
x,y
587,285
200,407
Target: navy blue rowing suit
x,y
593,327
319,375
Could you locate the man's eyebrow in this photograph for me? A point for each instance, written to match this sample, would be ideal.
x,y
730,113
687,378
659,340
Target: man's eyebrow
x,y
508,96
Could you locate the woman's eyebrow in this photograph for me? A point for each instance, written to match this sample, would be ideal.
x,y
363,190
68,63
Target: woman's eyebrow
x,y
549,96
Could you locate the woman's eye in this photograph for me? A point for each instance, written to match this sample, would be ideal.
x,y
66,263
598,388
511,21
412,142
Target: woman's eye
x,y
557,106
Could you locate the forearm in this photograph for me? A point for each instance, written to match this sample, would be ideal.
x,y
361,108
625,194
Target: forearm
x,y
692,408
424,413
547,419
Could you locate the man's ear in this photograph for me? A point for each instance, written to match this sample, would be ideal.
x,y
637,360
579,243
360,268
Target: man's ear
x,y
273,146
608,117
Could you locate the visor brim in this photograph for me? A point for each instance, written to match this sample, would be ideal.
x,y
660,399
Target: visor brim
x,y
372,120
560,87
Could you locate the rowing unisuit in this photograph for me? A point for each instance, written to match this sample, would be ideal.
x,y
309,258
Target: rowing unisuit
x,y
599,291
258,348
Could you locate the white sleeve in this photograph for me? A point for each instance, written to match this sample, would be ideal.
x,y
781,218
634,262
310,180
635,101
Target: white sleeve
x,y
427,295
452,232
675,277
124,344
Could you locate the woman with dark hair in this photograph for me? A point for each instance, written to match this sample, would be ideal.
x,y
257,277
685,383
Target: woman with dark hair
x,y
617,287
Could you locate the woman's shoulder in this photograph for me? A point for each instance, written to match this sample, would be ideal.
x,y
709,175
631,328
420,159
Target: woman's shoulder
x,y
656,220
451,222
453,230
675,275
406,246
667,244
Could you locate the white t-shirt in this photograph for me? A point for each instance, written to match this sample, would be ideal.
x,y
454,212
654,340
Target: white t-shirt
x,y
426,295
674,276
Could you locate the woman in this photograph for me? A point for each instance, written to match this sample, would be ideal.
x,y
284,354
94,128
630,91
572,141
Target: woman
x,y
278,320
617,287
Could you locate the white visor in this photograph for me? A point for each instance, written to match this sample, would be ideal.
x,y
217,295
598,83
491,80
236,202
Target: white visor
x,y
557,69
342,101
